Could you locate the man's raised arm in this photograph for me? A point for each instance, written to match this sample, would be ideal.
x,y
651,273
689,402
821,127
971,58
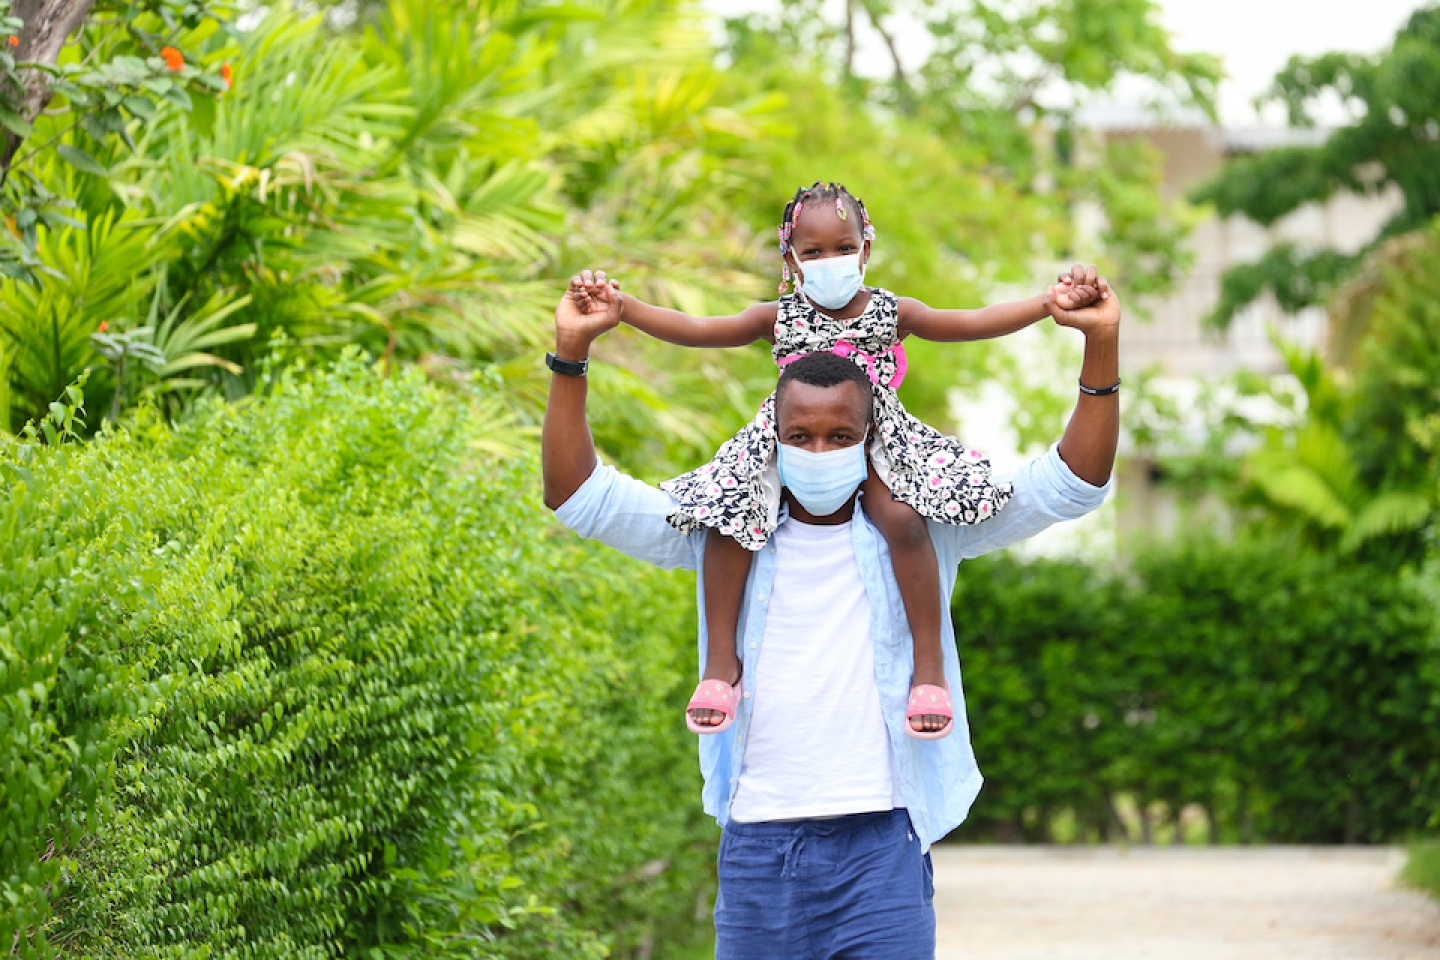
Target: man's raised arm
x,y
567,450
598,503
1088,446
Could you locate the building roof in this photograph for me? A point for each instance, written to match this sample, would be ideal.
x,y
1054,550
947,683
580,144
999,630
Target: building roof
x,y
1129,118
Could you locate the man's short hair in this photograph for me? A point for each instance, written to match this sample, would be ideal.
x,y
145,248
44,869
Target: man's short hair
x,y
825,369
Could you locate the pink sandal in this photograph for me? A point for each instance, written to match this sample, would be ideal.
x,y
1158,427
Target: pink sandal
x,y
929,700
713,695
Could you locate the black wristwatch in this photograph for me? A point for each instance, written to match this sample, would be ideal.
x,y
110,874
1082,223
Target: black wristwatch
x,y
1100,391
569,368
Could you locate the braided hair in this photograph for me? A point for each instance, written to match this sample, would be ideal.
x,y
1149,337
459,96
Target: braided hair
x,y
845,201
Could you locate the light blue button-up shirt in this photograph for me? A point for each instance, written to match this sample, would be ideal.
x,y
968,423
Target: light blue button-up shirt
x,y
939,778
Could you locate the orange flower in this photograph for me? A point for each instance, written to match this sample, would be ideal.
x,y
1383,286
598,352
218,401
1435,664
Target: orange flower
x,y
13,41
173,58
104,325
225,74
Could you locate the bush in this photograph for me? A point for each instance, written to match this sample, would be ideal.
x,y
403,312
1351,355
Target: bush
x,y
1294,697
309,677
1422,867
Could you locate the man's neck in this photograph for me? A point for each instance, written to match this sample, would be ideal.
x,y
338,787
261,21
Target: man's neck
x,y
843,515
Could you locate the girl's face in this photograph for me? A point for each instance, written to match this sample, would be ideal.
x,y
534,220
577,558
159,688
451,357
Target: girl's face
x,y
821,234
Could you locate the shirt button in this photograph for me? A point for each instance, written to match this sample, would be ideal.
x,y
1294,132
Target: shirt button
x,y
752,646
747,694
761,598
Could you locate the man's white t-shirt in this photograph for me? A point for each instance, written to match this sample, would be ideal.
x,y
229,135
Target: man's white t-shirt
x,y
817,744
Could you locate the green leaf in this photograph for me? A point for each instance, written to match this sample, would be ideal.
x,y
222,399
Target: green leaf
x,y
81,160
15,123
142,107
178,97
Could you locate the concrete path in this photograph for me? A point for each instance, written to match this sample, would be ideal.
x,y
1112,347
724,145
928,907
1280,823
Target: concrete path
x,y
1267,903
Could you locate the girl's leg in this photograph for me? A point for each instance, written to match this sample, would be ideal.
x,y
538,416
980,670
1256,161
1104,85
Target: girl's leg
x,y
727,566
917,571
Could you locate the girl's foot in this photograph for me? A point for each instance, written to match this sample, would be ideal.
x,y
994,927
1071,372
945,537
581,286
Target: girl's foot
x,y
703,717
929,723
927,703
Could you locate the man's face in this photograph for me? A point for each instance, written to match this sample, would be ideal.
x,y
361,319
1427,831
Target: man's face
x,y
818,419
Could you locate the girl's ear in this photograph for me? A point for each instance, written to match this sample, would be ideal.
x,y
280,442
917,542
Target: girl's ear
x,y
864,254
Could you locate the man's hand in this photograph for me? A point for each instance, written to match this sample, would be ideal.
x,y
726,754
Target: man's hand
x,y
591,306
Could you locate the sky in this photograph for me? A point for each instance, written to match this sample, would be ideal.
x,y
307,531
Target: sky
x,y
1253,38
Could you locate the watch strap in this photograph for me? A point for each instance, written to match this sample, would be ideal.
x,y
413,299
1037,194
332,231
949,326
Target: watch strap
x,y
1100,391
570,368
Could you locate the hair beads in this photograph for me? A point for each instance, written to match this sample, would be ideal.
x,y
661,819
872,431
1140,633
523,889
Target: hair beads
x,y
843,198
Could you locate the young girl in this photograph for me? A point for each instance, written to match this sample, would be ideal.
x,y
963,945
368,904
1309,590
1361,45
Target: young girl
x,y
915,471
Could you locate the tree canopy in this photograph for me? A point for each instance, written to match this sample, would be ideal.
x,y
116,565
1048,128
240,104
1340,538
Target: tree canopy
x,y
1391,139
420,178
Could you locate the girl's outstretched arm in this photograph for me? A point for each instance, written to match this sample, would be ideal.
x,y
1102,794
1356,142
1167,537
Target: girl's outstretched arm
x,y
672,326
1078,288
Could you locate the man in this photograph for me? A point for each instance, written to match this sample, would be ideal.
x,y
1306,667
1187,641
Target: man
x,y
827,808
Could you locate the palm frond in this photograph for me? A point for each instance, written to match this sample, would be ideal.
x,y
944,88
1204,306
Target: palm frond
x,y
1395,511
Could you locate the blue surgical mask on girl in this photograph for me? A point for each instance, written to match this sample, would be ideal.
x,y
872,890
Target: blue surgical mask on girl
x,y
833,281
822,482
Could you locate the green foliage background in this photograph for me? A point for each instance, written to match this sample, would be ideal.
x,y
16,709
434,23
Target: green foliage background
x,y
312,677
1292,697
292,664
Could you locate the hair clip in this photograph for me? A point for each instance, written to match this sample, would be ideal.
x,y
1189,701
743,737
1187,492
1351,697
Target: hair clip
x,y
840,208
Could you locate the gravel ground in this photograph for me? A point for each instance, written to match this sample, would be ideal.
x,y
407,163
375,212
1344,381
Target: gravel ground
x,y
1254,903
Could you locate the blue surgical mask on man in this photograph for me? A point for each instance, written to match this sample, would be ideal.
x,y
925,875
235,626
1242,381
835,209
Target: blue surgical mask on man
x,y
833,281
822,482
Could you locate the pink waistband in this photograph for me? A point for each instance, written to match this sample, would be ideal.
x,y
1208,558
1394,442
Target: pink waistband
x,y
847,349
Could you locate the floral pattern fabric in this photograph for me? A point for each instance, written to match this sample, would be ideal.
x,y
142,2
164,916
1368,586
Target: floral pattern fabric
x,y
936,474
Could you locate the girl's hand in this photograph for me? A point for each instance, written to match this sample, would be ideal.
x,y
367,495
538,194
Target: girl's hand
x,y
591,306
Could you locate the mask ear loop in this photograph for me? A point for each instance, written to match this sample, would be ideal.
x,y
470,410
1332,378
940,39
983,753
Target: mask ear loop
x,y
795,270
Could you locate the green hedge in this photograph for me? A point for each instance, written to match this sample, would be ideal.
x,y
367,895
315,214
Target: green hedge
x,y
311,677
1422,867
1292,697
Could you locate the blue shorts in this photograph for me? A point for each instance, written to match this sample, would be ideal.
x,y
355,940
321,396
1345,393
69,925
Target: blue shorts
x,y
848,887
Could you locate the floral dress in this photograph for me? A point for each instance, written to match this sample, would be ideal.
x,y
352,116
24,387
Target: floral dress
x,y
738,492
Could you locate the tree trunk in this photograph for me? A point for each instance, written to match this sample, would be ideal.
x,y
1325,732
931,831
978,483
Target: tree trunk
x,y
900,79
849,39
48,24
1247,822
1115,831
